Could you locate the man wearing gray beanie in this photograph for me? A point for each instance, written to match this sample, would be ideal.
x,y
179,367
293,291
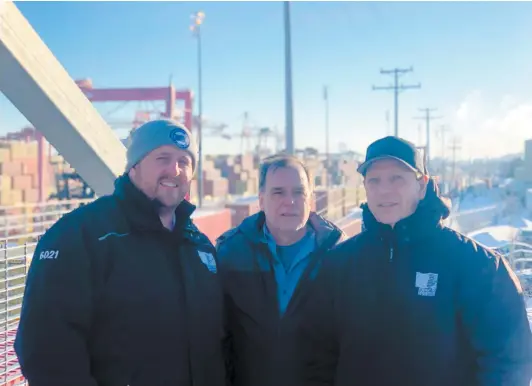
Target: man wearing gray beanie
x,y
125,290
161,160
159,133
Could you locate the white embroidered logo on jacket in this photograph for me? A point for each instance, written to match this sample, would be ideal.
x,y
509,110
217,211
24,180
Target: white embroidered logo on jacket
x,y
426,283
208,259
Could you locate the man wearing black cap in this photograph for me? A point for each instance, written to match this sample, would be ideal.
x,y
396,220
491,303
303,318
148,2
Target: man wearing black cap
x,y
409,301
125,290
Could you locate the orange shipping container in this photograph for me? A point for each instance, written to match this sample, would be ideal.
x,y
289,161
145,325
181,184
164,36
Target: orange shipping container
x,y
11,168
22,182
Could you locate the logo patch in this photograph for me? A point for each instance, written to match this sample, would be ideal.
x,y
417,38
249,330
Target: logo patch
x,y
208,260
180,138
426,283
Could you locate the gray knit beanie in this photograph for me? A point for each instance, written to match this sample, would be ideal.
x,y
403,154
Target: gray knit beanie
x,y
154,134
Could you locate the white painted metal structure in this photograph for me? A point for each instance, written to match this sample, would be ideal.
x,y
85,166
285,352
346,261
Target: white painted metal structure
x,y
42,90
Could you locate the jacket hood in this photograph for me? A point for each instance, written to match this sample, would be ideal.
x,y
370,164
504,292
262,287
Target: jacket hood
x,y
252,228
431,211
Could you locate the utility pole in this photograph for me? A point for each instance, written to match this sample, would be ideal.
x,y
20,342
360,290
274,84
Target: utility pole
x,y
441,132
328,161
289,115
455,146
197,19
397,88
427,118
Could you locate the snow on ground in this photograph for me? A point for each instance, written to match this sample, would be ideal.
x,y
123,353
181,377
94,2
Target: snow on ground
x,y
472,202
505,232
517,222
494,236
498,236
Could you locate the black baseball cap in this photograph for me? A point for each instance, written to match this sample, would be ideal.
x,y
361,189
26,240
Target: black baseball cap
x,y
394,148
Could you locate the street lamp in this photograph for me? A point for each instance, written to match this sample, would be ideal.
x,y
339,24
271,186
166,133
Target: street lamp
x,y
289,116
197,21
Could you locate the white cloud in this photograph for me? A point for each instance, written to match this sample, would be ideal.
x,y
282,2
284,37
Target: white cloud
x,y
470,108
492,130
508,101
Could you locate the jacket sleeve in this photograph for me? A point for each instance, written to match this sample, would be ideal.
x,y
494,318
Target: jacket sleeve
x,y
317,341
493,313
228,348
51,341
228,345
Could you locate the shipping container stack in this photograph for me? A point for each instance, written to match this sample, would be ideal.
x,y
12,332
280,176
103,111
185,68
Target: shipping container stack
x,y
317,170
241,174
19,175
338,201
214,185
60,168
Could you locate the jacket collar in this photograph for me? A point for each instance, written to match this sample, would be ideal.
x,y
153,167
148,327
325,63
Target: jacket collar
x,y
253,229
141,211
430,213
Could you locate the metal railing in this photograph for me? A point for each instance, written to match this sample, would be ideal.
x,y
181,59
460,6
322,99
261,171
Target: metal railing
x,y
519,255
470,220
14,261
20,228
335,211
17,250
27,221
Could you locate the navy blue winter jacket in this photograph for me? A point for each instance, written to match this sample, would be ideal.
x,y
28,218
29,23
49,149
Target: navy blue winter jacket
x,y
264,351
416,305
113,299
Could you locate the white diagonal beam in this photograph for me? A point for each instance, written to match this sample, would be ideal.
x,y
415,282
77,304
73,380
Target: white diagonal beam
x,y
36,83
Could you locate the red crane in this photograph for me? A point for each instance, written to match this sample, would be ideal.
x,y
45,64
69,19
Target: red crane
x,y
167,94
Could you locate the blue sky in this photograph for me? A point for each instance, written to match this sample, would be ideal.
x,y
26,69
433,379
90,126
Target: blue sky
x,y
474,61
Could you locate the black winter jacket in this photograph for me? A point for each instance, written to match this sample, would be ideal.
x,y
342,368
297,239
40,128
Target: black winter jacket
x,y
113,299
419,305
264,342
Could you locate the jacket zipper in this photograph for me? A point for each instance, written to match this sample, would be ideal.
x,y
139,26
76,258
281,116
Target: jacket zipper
x,y
391,254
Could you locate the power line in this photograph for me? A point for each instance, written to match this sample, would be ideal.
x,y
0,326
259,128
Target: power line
x,y
427,118
397,88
